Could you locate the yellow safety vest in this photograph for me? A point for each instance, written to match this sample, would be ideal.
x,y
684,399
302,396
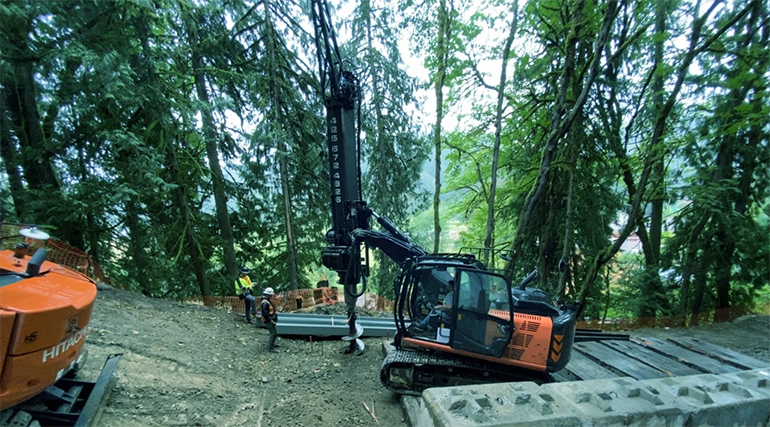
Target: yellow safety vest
x,y
242,282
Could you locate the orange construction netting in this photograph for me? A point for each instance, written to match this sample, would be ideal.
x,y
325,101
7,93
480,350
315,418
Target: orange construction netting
x,y
283,301
304,298
58,251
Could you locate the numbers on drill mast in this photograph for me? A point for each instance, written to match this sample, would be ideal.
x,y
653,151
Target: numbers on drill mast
x,y
335,157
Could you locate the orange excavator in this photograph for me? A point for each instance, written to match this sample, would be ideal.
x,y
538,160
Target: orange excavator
x,y
44,313
458,321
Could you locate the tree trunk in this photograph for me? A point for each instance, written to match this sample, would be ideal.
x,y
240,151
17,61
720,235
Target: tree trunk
x,y
700,290
723,270
22,103
184,211
567,248
607,281
290,245
651,286
442,52
688,268
136,244
282,148
546,238
93,236
489,240
10,161
381,144
91,229
212,152
562,120
658,195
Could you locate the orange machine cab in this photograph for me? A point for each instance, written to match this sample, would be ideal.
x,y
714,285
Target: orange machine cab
x,y
43,325
478,322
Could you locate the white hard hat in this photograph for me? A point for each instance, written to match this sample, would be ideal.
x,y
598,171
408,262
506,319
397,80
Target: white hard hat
x,y
268,291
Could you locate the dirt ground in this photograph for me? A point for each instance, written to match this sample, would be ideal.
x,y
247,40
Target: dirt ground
x,y
749,335
193,365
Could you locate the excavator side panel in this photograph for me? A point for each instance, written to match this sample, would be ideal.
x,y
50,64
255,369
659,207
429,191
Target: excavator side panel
x,y
6,327
26,376
412,342
529,346
531,339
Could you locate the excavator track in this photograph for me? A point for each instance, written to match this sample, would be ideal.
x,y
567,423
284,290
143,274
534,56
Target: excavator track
x,y
410,372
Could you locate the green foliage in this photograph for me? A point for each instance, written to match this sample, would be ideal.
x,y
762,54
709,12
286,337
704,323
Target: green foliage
x,y
112,152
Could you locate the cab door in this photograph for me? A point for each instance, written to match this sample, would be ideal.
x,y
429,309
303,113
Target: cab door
x,y
475,330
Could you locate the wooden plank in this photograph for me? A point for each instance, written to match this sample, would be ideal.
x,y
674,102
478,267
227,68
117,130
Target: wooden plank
x,y
585,369
667,365
619,361
725,355
563,376
694,360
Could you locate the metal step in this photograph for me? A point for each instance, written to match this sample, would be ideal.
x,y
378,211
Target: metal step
x,y
70,402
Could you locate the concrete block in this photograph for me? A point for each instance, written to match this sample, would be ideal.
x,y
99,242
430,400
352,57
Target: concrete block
x,y
719,400
416,411
619,402
496,405
737,399
756,380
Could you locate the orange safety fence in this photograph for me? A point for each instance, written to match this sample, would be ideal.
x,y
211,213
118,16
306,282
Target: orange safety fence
x,y
294,300
304,298
283,301
58,252
712,316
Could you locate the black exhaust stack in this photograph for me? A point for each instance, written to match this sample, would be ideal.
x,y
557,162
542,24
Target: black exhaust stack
x,y
34,264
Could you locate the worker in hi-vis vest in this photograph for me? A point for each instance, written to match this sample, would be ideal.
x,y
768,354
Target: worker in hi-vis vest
x,y
269,317
243,288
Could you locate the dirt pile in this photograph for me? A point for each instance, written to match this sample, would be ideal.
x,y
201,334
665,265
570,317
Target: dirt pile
x,y
193,365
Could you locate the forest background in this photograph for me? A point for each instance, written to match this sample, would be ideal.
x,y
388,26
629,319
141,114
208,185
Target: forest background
x,y
618,147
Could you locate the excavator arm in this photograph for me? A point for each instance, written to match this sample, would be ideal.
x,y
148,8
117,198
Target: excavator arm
x,y
350,215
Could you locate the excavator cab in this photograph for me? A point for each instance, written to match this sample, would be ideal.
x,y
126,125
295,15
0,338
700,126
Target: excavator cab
x,y
450,301
461,323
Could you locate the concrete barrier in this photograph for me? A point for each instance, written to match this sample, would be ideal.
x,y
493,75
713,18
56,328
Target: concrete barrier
x,y
737,399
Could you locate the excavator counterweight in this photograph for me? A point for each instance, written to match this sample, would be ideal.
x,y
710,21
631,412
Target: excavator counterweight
x,y
45,309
